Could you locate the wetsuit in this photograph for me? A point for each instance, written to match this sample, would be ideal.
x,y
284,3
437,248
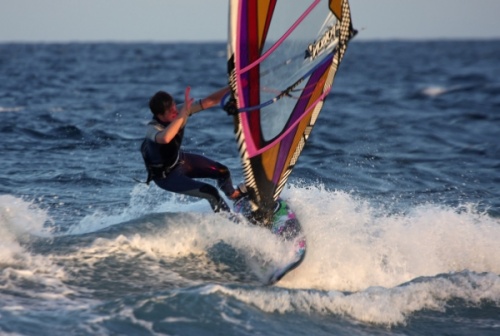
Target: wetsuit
x,y
174,170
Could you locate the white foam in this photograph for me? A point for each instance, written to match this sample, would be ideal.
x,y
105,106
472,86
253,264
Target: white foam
x,y
386,306
21,217
353,245
18,218
143,200
34,276
434,91
195,230
11,109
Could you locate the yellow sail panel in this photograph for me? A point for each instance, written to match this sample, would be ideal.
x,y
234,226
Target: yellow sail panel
x,y
269,159
264,13
301,127
336,8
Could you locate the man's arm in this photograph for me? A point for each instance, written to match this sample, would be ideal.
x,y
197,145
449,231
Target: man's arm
x,y
209,101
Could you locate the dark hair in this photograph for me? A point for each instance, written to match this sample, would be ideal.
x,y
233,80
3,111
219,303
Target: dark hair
x,y
160,102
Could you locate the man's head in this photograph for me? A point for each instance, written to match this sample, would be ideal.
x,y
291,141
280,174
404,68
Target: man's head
x,y
160,102
162,106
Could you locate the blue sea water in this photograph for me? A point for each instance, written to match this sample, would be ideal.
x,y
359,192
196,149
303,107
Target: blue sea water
x,y
397,190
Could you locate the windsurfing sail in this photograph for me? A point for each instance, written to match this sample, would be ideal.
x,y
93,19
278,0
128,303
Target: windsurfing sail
x,y
282,59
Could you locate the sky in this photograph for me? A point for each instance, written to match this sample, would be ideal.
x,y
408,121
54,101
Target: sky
x,y
206,20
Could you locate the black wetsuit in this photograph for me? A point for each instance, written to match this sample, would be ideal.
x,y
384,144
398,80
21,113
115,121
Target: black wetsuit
x,y
174,170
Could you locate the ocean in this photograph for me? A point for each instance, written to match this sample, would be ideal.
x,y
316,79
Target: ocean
x,y
397,190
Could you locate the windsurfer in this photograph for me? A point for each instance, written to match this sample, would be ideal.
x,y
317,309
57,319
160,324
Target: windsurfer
x,y
171,168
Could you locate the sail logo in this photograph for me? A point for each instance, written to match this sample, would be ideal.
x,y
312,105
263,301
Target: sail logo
x,y
329,37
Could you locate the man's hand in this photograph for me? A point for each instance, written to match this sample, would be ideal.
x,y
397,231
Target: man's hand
x,y
188,101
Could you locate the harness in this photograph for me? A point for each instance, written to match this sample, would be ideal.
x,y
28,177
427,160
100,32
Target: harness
x,y
156,171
